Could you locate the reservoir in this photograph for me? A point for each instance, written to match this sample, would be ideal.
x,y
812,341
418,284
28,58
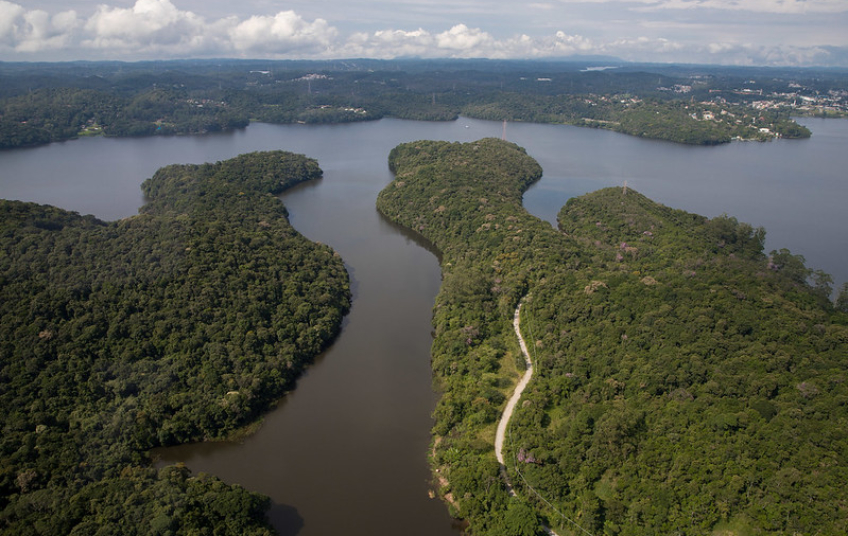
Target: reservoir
x,y
346,452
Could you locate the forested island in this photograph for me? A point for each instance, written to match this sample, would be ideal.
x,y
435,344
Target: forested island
x,y
44,103
684,381
183,323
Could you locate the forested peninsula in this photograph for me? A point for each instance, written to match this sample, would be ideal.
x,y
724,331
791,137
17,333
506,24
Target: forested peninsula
x,y
183,323
685,382
44,103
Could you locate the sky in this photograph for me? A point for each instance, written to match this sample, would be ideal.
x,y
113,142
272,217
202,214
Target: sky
x,y
729,32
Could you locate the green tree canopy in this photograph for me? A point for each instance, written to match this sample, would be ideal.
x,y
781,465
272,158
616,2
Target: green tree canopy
x,y
180,324
684,381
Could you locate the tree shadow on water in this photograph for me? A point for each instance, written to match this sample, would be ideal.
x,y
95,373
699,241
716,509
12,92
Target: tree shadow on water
x,y
285,519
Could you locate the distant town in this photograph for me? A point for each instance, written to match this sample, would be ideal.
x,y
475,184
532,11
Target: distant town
x,y
797,98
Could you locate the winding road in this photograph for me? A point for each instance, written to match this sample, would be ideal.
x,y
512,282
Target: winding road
x,y
507,415
516,395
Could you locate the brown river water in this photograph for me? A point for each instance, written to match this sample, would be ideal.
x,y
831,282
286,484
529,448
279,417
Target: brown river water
x,y
346,451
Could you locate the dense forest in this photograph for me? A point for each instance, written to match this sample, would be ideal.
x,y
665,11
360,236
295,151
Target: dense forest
x,y
47,115
684,381
180,324
45,103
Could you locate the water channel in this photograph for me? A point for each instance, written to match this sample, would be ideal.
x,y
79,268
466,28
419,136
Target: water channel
x,y
346,452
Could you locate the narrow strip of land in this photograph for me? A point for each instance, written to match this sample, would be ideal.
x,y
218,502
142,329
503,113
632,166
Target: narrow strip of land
x,y
507,415
516,395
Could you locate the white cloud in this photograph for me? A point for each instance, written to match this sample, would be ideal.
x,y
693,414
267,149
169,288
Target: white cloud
x,y
10,17
755,6
151,29
573,44
35,30
43,32
385,44
284,32
157,28
750,54
148,24
464,41
460,41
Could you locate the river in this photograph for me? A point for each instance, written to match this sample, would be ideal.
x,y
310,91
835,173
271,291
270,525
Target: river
x,y
346,452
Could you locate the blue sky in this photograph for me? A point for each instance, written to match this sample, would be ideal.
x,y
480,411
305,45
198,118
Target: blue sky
x,y
732,32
